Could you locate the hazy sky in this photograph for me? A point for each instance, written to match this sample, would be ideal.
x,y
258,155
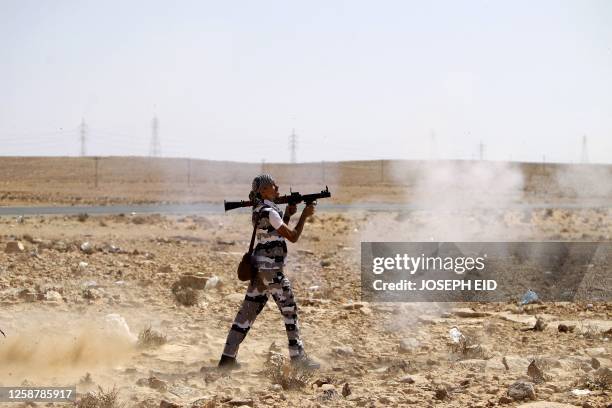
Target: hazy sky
x,y
356,79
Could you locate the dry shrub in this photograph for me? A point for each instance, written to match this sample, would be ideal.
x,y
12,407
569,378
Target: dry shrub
x,y
185,296
280,371
600,379
468,347
537,370
100,399
149,338
591,332
82,217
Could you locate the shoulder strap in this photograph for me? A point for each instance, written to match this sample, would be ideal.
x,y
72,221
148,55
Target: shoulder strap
x,y
252,239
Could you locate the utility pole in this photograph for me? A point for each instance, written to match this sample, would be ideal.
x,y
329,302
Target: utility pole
x,y
585,155
96,159
433,154
155,147
189,172
292,145
323,171
83,133
481,149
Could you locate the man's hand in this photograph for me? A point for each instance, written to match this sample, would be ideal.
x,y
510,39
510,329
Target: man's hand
x,y
309,210
294,234
290,209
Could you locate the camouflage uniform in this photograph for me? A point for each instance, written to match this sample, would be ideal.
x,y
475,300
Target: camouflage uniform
x,y
269,256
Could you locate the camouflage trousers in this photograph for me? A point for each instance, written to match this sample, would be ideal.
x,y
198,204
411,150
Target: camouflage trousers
x,y
275,283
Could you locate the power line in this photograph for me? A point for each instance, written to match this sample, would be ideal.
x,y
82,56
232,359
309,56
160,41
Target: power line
x,y
585,155
293,145
155,148
433,151
83,132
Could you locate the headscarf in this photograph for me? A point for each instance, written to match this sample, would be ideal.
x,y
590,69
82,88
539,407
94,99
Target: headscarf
x,y
259,182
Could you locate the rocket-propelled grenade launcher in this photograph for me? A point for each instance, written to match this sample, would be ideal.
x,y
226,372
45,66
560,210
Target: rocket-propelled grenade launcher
x,y
292,198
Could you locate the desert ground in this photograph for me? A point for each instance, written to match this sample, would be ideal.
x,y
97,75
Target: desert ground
x,y
39,181
134,309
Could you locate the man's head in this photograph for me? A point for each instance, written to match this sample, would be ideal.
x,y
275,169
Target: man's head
x,y
265,186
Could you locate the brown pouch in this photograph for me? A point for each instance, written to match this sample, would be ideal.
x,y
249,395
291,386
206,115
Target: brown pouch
x,y
246,269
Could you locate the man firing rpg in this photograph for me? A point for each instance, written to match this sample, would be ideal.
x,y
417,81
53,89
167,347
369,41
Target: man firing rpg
x,y
269,257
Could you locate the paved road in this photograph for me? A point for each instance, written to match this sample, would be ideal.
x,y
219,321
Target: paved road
x,y
213,208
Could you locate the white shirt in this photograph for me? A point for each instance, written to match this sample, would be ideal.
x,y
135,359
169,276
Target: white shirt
x,y
273,216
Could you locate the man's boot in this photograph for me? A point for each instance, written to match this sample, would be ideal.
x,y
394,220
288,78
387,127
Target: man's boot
x,y
303,361
228,363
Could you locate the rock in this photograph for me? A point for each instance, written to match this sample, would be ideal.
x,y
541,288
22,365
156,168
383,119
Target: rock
x,y
505,400
540,324
168,404
14,247
467,312
325,380
521,390
325,263
441,394
44,244
28,295
60,246
53,296
206,402
87,248
455,335
387,401
408,345
515,364
153,382
82,266
365,311
564,328
328,395
92,294
580,392
346,390
46,287
213,282
343,351
406,380
596,352
353,305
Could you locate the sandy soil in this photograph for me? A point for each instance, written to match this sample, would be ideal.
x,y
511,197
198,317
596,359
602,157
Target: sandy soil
x,y
56,296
